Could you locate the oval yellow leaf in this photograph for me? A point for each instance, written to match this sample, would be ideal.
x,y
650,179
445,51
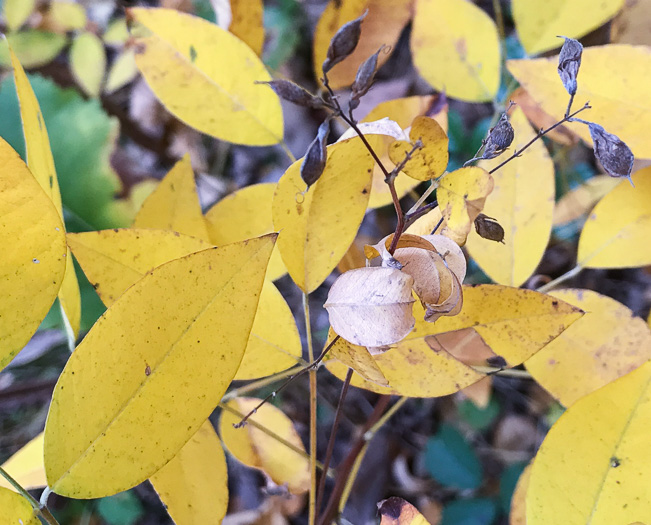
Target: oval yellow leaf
x,y
88,62
26,466
33,48
606,343
257,449
522,202
152,369
616,234
16,509
63,16
243,214
431,160
193,486
16,12
456,48
318,225
397,511
122,71
613,79
603,477
32,269
207,77
247,23
497,324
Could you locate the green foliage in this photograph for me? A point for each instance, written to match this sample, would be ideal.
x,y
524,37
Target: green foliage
x,y
451,460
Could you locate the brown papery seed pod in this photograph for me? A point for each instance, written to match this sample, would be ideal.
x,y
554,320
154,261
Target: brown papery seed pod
x,y
317,154
364,79
343,43
499,138
489,228
613,154
294,93
569,61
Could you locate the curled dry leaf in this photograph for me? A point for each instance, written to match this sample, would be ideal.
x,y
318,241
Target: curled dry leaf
x,y
613,154
431,160
371,306
569,62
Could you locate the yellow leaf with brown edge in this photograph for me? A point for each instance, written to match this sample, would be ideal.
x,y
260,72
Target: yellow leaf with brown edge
x,y
578,202
16,508
461,196
26,466
397,511
193,486
174,204
247,23
41,164
429,161
497,326
517,515
606,343
122,71
113,260
88,62
382,25
455,47
602,478
319,224
33,268
152,369
257,449
522,202
243,214
616,232
613,79
538,29
358,358
206,77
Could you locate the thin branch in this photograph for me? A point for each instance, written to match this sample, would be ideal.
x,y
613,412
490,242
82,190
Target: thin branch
x,y
313,435
503,372
38,507
261,383
566,276
423,210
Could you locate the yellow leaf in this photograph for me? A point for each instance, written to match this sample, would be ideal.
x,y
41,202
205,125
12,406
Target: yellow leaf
x,y
257,449
428,162
17,12
613,79
122,71
247,23
318,226
578,202
456,48
617,231
41,164
606,343
397,511
116,33
243,214
113,260
16,509
522,202
63,16
358,358
496,321
88,62
207,77
152,369
538,28
32,269
461,196
601,478
193,486
382,25
174,204
32,47
518,516
26,466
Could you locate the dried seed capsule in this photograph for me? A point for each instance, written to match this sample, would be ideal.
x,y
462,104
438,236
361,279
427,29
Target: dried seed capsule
x,y
489,228
569,61
364,79
316,156
294,93
613,154
343,43
499,138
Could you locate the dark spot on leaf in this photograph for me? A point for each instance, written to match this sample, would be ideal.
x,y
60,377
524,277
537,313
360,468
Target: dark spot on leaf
x,y
614,462
147,370
497,361
51,181
364,191
193,54
391,507
555,304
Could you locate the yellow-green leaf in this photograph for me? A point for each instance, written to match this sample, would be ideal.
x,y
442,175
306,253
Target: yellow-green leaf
x,y
429,161
16,509
116,33
616,234
88,62
538,28
32,47
318,225
207,78
461,196
613,79
63,16
606,343
247,23
258,449
436,359
594,465
122,71
193,486
32,268
174,204
522,202
17,12
26,466
456,48
152,369
41,164
243,214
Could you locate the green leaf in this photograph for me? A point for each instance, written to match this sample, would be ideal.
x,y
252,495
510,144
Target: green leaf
x,y
479,418
122,509
508,481
451,461
479,511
